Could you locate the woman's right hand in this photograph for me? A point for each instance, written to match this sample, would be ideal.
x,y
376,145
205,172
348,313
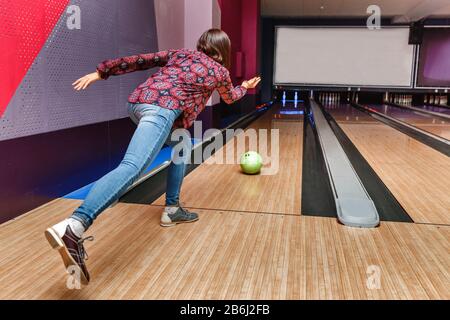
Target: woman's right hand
x,y
86,81
252,83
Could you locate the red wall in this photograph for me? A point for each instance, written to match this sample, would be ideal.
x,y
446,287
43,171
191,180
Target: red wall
x,y
20,22
240,19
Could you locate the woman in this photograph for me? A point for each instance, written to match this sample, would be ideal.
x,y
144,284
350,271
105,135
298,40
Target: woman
x,y
170,98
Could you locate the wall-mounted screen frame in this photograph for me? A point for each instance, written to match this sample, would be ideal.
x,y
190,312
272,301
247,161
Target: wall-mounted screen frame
x,y
402,33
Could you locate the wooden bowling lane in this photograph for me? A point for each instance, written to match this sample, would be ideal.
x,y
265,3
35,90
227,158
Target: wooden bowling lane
x,y
347,113
224,187
417,175
430,123
226,255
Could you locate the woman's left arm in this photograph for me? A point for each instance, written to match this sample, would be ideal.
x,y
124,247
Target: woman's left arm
x,y
115,67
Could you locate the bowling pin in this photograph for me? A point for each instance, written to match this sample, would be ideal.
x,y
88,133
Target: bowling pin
x,y
296,98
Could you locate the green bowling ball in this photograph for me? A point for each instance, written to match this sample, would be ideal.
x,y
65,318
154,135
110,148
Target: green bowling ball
x,y
251,162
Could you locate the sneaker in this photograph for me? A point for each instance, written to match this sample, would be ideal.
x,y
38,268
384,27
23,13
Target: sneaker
x,y
71,249
176,215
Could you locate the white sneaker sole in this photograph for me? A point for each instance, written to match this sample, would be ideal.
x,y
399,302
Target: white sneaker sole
x,y
173,224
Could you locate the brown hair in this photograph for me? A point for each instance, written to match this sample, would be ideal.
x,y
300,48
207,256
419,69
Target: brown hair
x,y
216,44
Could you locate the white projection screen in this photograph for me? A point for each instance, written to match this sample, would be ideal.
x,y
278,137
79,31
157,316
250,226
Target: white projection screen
x,y
343,56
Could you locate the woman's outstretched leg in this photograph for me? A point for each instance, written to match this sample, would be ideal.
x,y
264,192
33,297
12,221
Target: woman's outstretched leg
x,y
153,128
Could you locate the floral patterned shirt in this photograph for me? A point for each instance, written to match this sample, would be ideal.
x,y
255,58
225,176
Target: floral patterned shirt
x,y
185,81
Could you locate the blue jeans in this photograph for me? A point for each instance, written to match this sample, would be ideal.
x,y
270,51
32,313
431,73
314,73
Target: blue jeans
x,y
153,131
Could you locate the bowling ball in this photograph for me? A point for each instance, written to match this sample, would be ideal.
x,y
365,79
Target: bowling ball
x,y
251,162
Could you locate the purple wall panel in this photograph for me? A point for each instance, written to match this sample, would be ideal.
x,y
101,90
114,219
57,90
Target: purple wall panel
x,y
434,59
45,100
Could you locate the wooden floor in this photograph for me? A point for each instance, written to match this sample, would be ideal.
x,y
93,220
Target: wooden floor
x,y
224,187
417,175
251,241
226,255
